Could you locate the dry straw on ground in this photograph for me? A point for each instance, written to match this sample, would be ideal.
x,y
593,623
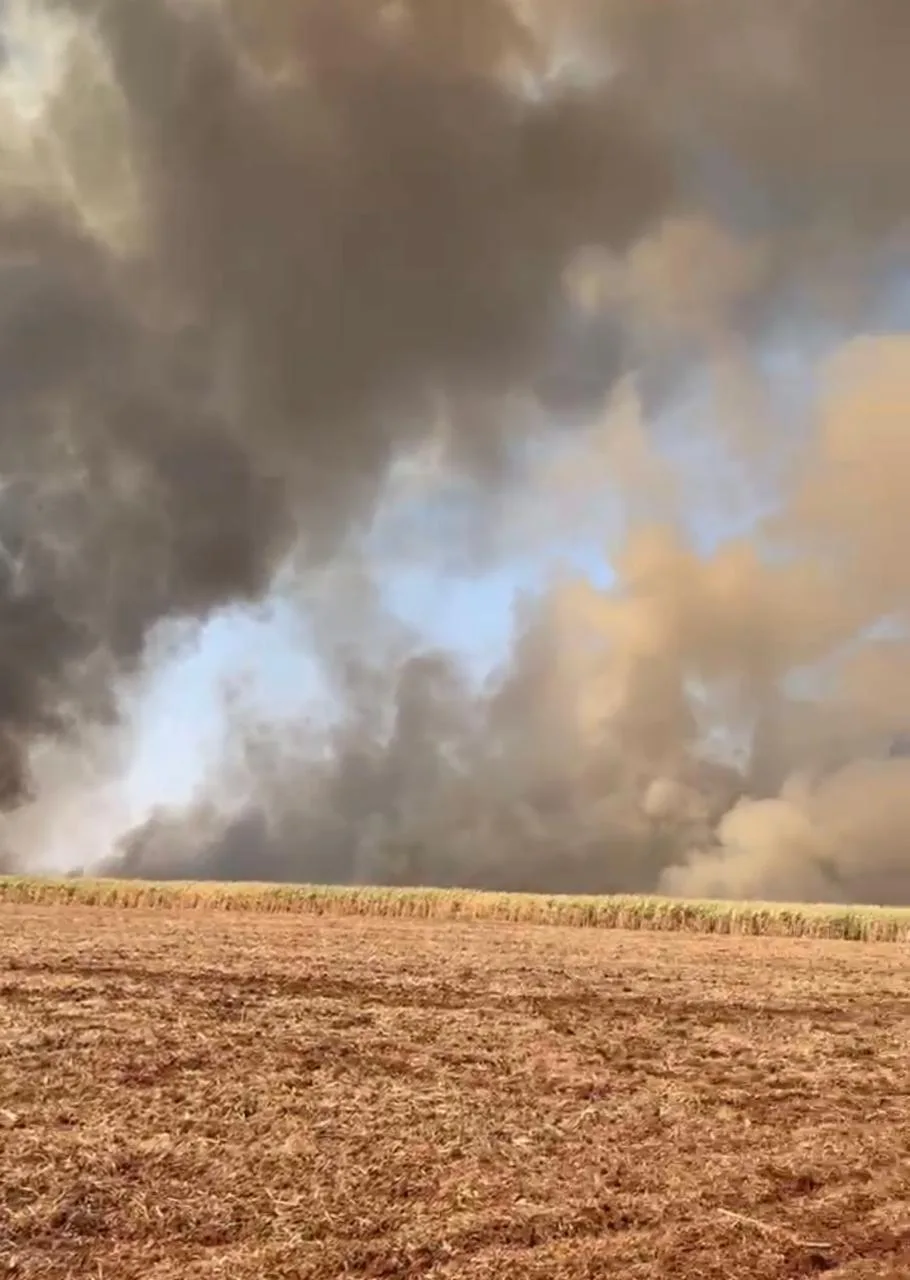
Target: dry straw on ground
x,y
204,1096
861,924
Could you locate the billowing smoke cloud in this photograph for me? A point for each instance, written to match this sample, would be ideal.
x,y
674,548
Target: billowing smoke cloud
x,y
253,256
713,724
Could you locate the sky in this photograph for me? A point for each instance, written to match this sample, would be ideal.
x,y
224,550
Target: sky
x,y
421,553
181,719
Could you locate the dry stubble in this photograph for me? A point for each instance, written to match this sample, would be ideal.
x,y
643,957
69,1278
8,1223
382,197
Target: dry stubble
x,y
203,1095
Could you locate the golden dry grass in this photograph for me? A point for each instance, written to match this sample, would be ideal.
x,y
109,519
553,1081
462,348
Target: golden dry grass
x,y
797,920
192,1096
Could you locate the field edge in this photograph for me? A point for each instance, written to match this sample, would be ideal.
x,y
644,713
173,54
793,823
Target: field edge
x,y
853,923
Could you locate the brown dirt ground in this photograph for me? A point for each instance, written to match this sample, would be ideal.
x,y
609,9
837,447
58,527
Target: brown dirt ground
x,y
189,1096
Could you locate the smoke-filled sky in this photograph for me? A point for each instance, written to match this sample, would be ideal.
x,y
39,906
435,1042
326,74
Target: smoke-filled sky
x,y
500,409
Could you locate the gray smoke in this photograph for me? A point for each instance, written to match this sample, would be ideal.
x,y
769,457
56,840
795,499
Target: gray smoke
x,y
253,256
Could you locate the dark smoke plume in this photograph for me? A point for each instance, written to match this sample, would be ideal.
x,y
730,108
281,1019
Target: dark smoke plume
x,y
253,256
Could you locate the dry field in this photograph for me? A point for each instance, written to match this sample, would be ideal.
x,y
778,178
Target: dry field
x,y
189,1095
617,911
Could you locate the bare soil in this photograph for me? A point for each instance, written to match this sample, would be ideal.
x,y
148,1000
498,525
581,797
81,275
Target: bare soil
x,y
189,1095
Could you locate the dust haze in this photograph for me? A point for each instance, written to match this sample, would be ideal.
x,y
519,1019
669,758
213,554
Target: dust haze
x,y
256,258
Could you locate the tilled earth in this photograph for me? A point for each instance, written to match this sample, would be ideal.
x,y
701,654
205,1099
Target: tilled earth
x,y
189,1095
